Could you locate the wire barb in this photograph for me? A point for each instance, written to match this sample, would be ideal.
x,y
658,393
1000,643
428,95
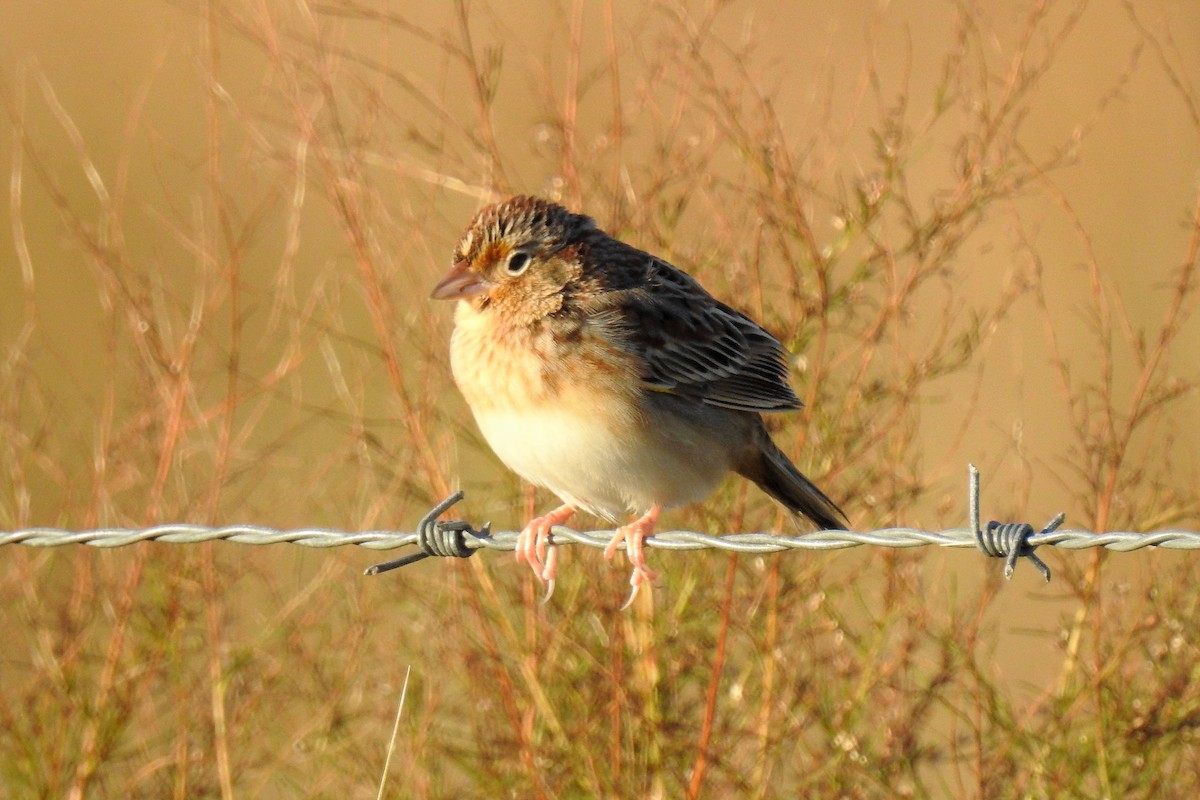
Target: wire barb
x,y
436,537
1007,540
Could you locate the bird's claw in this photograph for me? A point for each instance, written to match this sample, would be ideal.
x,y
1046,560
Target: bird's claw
x,y
535,548
548,572
629,600
640,575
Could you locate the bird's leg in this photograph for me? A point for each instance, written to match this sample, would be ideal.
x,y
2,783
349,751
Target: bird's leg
x,y
533,545
634,535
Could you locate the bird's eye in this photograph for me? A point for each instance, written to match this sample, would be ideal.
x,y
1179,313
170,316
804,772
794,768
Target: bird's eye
x,y
518,262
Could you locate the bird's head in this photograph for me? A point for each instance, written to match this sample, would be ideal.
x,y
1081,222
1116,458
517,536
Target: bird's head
x,y
517,257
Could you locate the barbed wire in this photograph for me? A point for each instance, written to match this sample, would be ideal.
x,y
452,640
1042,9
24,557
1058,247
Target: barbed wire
x,y
459,538
181,533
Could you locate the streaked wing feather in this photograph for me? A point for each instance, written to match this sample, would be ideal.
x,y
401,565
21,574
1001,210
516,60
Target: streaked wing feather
x,y
695,346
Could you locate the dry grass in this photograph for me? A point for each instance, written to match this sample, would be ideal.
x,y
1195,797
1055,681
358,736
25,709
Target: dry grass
x,y
236,330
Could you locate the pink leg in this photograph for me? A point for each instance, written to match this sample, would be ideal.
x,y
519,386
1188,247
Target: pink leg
x,y
634,535
534,542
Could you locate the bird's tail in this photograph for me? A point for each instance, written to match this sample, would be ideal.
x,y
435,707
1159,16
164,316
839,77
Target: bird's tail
x,y
776,475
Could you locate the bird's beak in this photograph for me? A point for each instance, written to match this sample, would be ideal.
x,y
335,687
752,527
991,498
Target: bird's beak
x,y
460,283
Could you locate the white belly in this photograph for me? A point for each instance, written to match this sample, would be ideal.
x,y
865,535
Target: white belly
x,y
594,466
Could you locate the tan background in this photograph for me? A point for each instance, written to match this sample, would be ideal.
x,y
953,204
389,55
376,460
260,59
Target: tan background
x,y
193,130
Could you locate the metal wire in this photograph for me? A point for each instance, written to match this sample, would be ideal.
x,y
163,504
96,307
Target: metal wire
x,y
1122,541
1005,540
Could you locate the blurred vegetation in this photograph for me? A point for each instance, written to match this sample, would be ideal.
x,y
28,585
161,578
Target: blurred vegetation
x,y
214,310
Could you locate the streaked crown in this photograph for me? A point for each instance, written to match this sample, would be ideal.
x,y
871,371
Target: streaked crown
x,y
521,221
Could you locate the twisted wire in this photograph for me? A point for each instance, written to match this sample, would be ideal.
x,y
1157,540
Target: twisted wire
x,y
182,533
1008,540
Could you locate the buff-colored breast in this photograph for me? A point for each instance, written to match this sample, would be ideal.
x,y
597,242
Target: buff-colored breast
x,y
571,415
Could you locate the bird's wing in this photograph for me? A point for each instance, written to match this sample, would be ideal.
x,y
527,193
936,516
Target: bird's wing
x,y
692,345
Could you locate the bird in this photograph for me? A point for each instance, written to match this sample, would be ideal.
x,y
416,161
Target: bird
x,y
612,378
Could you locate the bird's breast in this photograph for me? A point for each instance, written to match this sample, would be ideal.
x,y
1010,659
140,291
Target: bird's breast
x,y
502,367
563,407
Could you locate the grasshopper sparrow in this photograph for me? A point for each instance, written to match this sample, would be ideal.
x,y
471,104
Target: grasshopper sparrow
x,y
611,378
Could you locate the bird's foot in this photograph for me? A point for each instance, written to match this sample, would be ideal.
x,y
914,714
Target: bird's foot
x,y
634,536
534,547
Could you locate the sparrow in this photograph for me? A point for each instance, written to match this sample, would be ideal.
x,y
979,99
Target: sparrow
x,y
612,378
